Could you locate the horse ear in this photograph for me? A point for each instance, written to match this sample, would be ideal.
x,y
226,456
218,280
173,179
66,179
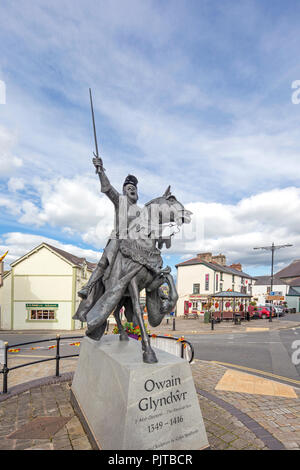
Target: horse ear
x,y
167,191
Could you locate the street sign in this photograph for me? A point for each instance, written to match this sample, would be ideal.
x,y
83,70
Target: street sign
x,y
274,297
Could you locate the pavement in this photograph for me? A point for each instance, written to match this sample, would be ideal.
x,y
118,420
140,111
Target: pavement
x,y
197,326
241,411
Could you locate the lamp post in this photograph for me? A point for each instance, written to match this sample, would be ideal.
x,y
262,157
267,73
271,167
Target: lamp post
x,y
271,248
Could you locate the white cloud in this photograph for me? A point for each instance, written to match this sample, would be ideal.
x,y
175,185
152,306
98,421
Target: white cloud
x,y
19,244
10,205
73,205
77,207
8,161
212,128
234,230
160,118
272,216
15,184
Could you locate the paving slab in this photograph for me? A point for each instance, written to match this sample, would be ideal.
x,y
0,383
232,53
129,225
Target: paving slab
x,y
242,382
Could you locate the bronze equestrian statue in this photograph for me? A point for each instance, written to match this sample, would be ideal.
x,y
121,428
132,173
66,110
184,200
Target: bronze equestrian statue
x,y
131,262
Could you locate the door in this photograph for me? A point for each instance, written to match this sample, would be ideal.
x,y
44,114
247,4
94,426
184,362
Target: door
x,y
186,307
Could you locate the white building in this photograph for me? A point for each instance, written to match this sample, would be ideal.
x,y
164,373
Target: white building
x,y
40,290
286,287
261,290
205,275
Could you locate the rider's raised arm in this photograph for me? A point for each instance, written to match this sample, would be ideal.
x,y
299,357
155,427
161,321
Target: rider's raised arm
x,y
106,186
108,189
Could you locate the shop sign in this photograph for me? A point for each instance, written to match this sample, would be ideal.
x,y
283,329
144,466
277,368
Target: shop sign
x,y
41,305
197,297
274,297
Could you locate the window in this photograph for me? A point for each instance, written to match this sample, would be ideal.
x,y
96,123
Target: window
x,y
233,287
196,288
206,281
221,277
221,286
42,315
233,279
217,282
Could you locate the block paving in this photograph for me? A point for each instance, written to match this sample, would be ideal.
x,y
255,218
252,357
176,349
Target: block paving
x,y
233,421
275,418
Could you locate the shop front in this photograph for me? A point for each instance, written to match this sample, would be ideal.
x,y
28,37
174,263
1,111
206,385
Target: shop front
x,y
195,305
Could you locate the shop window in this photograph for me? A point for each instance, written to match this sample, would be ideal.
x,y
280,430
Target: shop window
x,y
42,315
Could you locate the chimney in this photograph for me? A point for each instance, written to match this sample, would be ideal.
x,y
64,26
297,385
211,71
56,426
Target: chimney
x,y
205,257
236,266
220,259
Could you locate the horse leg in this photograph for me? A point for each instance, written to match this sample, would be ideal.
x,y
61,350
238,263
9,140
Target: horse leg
x,y
148,354
122,332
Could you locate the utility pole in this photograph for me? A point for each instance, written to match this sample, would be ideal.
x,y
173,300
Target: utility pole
x,y
271,248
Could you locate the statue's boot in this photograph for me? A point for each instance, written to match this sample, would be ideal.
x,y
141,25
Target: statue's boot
x,y
96,274
89,294
97,333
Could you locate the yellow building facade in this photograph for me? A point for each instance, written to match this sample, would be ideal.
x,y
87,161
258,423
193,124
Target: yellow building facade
x,y
40,290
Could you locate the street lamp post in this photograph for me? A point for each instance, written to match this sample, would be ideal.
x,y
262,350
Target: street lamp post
x,y
271,248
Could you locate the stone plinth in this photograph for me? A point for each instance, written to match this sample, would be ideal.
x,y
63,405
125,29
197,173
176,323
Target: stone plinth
x,y
128,404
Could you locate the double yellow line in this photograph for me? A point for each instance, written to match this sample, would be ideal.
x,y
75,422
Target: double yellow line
x,y
268,374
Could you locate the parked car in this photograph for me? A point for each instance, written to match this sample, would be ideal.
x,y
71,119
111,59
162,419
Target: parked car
x,y
279,310
264,312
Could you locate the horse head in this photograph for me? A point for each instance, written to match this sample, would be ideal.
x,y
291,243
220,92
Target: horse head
x,y
165,211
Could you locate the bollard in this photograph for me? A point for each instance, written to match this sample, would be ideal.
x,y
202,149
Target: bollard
x,y
174,324
57,355
5,368
212,322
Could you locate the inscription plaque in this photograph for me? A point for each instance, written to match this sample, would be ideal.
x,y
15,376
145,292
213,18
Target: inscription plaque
x,y
128,404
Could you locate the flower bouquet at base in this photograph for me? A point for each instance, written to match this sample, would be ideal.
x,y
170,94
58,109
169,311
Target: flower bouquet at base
x,y
133,332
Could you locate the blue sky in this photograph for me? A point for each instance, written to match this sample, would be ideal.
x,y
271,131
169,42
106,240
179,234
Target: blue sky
x,y
192,93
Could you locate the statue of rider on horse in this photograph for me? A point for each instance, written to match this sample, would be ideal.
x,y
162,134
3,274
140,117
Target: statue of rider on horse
x,y
131,262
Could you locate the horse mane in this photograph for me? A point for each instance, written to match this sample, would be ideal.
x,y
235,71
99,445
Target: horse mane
x,y
158,199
